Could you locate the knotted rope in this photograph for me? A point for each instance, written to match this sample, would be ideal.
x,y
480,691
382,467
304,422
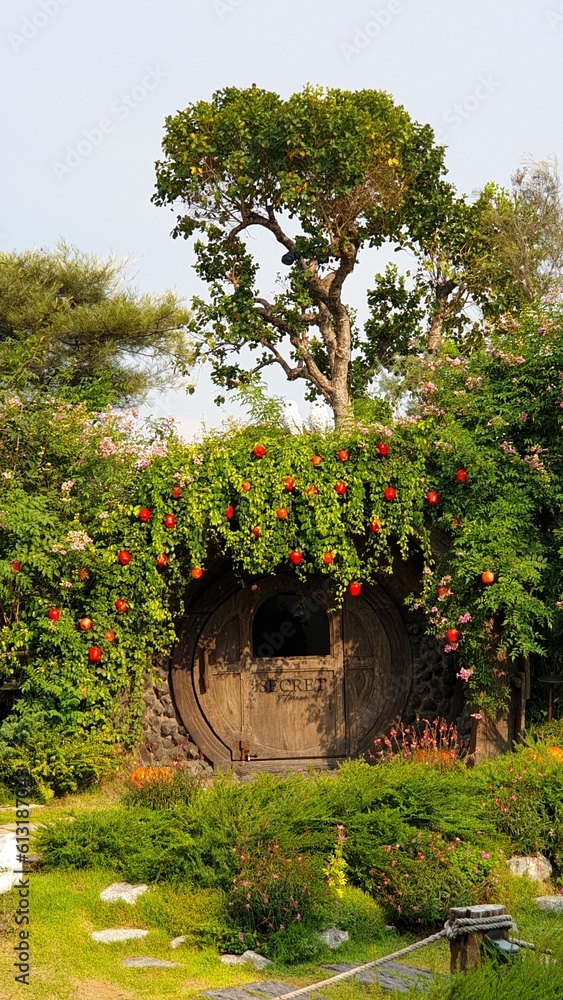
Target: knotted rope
x,y
468,925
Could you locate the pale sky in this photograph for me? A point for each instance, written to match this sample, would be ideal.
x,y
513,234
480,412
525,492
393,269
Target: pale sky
x,y
86,86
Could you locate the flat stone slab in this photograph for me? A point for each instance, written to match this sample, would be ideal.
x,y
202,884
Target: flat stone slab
x,y
270,988
122,891
390,976
551,903
231,993
118,934
177,941
149,963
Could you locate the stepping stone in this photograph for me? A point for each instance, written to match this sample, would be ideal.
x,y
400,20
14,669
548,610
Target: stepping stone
x,y
552,903
146,963
536,867
270,988
122,891
391,976
9,863
231,993
178,941
118,934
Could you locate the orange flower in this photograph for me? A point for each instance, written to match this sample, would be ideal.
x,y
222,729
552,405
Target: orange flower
x,y
151,775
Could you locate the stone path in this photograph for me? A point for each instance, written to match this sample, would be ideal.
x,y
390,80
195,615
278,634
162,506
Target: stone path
x,y
392,976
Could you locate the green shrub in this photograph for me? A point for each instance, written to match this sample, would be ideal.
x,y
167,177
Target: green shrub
x,y
161,787
359,914
418,880
522,793
58,762
273,889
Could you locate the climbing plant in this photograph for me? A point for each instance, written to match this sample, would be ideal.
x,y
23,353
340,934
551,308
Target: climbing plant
x,y
105,527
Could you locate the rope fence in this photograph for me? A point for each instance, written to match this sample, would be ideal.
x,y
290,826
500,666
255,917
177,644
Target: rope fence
x,y
451,930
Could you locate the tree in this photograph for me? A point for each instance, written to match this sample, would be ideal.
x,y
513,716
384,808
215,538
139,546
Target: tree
x,y
68,319
327,173
482,261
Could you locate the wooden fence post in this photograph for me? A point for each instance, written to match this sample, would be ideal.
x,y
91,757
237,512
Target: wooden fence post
x,y
465,950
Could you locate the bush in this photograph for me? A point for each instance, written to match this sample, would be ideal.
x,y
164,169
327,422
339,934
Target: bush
x,y
418,880
58,762
160,787
273,890
360,915
523,795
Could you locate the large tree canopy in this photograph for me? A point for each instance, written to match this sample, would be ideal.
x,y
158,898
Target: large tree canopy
x,y
67,318
326,173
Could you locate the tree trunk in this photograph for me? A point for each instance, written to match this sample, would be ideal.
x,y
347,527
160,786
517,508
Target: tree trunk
x,y
434,339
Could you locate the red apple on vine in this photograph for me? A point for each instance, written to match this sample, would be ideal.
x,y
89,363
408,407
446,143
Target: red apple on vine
x,y
197,573
355,588
487,577
282,513
289,483
94,654
54,614
340,488
15,566
390,494
433,498
176,493
145,514
109,636
245,486
343,455
169,521
328,558
255,531
295,557
316,460
124,557
85,624
120,605
452,635
230,512
375,526
312,491
461,476
259,450
383,449
162,559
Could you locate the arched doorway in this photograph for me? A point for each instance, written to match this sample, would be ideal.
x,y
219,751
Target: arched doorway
x,y
266,674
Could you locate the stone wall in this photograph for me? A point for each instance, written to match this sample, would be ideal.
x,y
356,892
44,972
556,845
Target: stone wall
x,y
165,739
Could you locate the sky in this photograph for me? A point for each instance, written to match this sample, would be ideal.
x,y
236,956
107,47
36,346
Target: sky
x,y
86,86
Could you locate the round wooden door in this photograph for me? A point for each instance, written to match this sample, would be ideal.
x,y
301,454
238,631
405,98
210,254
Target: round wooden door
x,y
275,676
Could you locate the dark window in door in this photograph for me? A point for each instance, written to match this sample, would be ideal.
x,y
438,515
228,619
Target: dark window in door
x,y
289,625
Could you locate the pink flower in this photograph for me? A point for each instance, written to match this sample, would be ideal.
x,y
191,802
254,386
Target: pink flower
x,y
465,673
463,619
